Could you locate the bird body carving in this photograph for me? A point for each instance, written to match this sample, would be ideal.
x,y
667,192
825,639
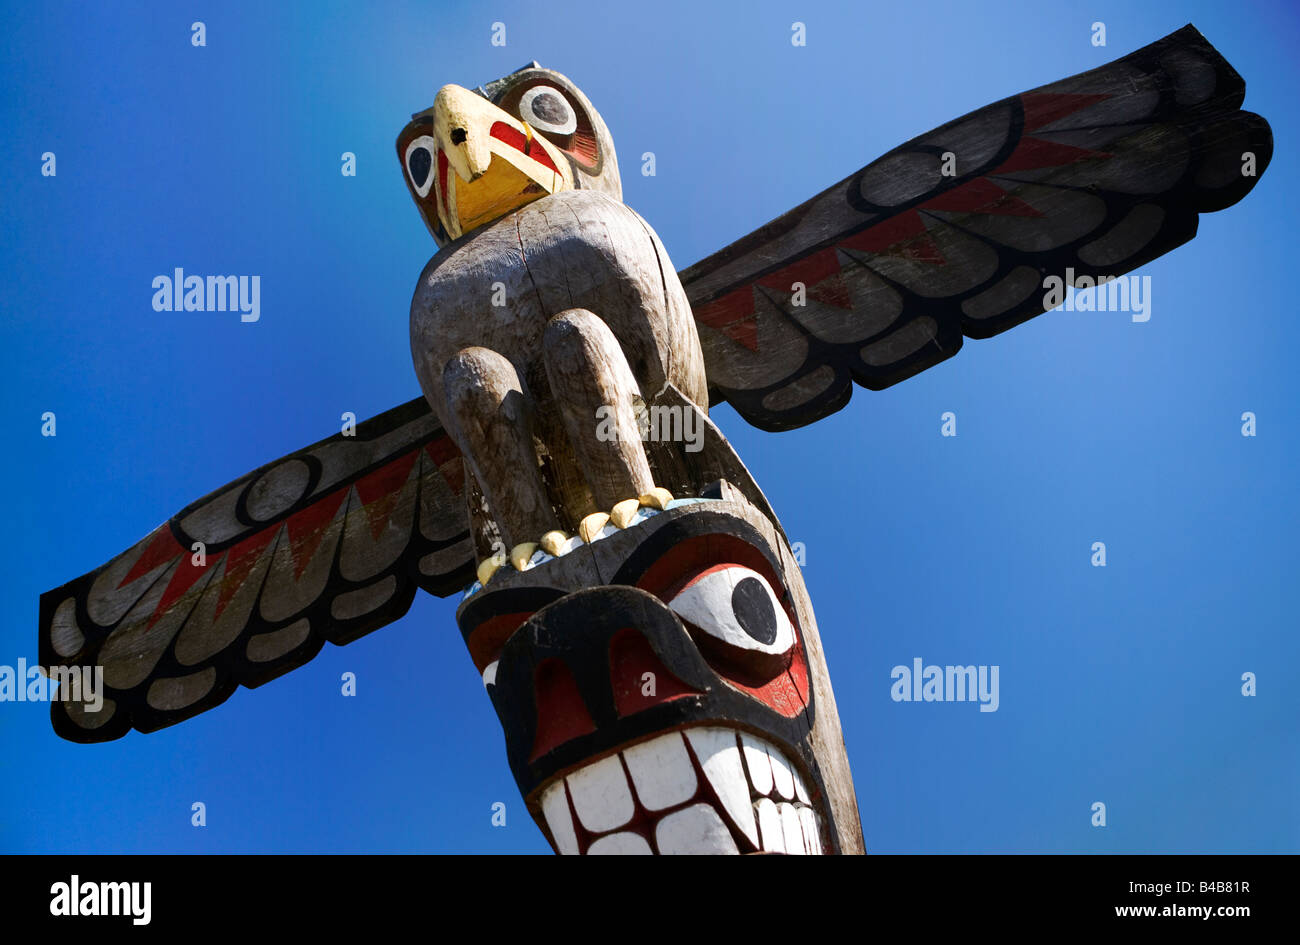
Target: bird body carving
x,y
575,250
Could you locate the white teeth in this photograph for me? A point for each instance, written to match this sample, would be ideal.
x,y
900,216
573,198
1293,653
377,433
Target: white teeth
x,y
600,795
769,822
810,838
760,770
624,843
800,791
781,775
556,810
490,674
661,771
793,832
663,776
694,829
719,756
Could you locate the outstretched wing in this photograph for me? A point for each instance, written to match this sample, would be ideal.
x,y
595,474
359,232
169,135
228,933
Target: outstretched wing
x,y
955,232
327,543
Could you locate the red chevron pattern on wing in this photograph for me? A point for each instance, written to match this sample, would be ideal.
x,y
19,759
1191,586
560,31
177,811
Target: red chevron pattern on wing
x,y
326,544
952,234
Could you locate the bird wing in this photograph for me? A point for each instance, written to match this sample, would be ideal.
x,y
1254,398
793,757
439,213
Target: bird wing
x,y
327,543
954,233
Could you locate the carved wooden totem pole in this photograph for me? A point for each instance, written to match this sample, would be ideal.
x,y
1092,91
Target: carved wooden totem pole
x,y
634,608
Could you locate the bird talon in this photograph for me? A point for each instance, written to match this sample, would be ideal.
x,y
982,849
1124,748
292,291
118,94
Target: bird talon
x,y
521,553
590,526
656,498
488,567
553,543
623,512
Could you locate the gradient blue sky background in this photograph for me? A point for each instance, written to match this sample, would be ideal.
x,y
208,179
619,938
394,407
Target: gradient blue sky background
x,y
1119,684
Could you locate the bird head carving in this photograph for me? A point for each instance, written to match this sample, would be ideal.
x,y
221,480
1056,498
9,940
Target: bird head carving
x,y
475,156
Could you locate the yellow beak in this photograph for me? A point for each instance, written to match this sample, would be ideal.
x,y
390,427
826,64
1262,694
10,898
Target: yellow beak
x,y
495,164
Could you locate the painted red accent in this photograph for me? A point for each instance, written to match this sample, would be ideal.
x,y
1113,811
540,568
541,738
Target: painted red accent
x,y
307,528
561,713
733,315
787,692
903,236
832,292
517,140
442,450
454,475
442,181
380,490
701,575
981,195
444,454
819,272
583,148
1043,108
511,136
680,565
1033,153
487,639
809,270
182,580
162,550
239,564
630,658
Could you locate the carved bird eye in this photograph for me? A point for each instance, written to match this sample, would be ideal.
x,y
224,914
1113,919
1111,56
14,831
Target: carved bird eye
x,y
546,109
419,163
742,622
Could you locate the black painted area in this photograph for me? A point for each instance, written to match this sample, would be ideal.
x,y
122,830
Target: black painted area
x,y
754,612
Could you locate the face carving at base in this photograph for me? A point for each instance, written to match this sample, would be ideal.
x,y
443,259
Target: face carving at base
x,y
668,709
707,789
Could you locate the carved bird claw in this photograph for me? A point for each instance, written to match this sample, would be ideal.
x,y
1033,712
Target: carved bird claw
x,y
557,543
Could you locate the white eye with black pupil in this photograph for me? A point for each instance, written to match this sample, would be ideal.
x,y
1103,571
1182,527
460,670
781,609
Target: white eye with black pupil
x,y
546,109
736,606
419,163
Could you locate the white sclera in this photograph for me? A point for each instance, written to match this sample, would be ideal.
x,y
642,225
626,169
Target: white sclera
x,y
424,141
566,127
707,605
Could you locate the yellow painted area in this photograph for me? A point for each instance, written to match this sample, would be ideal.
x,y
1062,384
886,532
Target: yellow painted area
x,y
502,189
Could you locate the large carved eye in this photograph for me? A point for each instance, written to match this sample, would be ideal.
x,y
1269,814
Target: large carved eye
x,y
546,109
419,163
741,622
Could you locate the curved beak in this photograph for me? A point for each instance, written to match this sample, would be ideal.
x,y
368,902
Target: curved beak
x,y
462,122
494,163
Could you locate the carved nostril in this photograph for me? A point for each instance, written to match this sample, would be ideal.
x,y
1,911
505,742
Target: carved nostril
x,y
458,136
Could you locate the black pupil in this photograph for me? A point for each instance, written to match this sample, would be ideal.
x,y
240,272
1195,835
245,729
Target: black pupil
x,y
550,108
754,611
421,163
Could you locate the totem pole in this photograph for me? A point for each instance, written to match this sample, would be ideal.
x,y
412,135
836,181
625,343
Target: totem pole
x,y
639,621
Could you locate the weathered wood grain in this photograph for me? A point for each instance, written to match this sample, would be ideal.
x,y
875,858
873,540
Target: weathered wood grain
x,y
492,416
594,391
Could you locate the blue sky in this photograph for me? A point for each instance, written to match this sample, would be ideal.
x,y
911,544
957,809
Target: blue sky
x,y
1118,684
